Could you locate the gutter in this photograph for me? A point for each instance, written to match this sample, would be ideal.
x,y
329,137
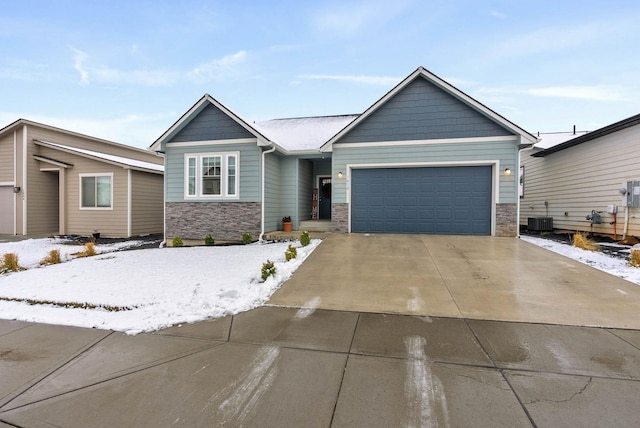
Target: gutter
x,y
262,197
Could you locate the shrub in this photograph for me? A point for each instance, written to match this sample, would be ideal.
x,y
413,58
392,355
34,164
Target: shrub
x,y
247,238
89,250
305,239
208,240
268,269
290,253
581,241
52,259
10,263
177,242
634,260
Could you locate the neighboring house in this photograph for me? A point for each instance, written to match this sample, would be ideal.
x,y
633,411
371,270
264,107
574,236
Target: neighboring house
x,y
425,158
58,182
588,173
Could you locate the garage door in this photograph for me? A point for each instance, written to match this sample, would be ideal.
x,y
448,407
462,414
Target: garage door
x,y
6,210
433,200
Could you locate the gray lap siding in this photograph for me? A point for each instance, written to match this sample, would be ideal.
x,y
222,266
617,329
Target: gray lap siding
x,y
225,221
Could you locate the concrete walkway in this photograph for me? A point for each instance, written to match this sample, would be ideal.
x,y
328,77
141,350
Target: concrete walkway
x,y
480,277
280,367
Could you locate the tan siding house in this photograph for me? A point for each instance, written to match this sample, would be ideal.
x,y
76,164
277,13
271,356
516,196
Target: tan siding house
x,y
54,181
571,180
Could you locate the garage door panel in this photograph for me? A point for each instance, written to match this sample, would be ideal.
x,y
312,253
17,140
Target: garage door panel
x,y
438,200
6,210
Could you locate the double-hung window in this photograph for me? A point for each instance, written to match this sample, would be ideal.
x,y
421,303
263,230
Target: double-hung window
x,y
96,191
211,175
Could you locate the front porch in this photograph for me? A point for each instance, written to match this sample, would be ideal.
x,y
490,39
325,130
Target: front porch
x,y
317,230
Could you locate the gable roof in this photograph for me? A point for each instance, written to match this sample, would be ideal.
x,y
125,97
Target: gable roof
x,y
304,133
121,161
22,122
195,110
609,129
447,87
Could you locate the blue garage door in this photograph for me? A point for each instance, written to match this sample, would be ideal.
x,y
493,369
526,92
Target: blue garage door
x,y
433,200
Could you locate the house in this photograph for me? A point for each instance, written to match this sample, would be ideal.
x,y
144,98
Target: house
x,y
54,181
566,182
425,158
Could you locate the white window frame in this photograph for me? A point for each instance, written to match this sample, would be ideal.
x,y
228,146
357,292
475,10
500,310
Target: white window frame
x,y
96,175
224,175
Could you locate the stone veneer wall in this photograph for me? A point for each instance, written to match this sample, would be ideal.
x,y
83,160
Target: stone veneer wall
x,y
506,220
225,221
340,218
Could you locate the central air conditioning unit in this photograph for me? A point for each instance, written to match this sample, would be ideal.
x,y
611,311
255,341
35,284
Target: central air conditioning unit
x,y
540,224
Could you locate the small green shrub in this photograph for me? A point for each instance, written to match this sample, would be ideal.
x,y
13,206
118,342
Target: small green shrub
x,y
268,269
52,259
290,253
177,242
208,240
305,239
247,238
10,263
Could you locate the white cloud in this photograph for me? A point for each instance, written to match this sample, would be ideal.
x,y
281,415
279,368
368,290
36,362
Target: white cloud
x,y
219,68
593,92
497,14
79,59
216,69
367,80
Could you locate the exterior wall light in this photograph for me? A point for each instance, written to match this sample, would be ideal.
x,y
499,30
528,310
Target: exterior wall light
x,y
507,171
340,174
16,189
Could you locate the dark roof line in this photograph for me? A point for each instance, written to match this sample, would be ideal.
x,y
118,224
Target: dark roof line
x,y
308,117
609,129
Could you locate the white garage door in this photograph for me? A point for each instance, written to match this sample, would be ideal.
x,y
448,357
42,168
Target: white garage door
x,y
6,210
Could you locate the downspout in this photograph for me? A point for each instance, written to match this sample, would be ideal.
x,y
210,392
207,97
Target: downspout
x,y
264,156
518,195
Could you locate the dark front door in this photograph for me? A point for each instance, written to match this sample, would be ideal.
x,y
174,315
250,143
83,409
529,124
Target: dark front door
x,y
324,198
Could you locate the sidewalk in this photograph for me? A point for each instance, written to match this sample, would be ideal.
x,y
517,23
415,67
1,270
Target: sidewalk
x,y
289,368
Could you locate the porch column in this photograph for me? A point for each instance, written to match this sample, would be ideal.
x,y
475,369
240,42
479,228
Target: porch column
x,y
62,201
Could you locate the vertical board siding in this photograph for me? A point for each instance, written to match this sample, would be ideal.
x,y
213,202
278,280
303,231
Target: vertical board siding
x,y
211,124
288,188
42,197
6,158
583,178
249,170
422,110
146,203
503,151
305,189
273,193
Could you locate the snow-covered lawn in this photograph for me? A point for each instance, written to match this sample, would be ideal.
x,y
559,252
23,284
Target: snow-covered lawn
x,y
153,288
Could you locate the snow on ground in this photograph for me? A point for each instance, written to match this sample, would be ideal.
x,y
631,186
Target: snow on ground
x,y
613,265
154,288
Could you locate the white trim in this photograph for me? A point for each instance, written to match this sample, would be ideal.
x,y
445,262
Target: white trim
x,y
129,199
224,176
98,174
24,180
62,201
429,142
212,142
7,183
495,185
15,181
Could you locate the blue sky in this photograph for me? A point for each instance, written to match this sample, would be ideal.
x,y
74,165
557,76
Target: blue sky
x,y
127,70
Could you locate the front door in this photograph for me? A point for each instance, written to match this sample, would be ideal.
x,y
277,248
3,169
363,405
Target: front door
x,y
324,198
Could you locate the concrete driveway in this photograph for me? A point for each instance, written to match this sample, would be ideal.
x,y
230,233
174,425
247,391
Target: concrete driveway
x,y
484,278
